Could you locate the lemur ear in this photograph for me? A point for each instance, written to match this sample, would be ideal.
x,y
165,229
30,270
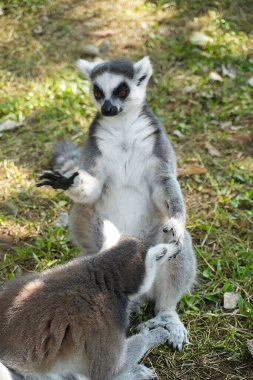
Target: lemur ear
x,y
85,66
142,71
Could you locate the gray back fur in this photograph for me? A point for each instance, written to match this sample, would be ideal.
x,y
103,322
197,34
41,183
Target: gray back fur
x,y
90,151
71,311
162,146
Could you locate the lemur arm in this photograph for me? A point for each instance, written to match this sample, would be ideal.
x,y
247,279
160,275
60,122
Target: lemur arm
x,y
80,186
86,188
167,197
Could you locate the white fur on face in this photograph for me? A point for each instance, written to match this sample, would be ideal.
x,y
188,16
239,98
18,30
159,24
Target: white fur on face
x,y
143,68
85,66
109,82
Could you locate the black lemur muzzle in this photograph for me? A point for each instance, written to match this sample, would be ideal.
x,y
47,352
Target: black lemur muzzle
x,y
108,109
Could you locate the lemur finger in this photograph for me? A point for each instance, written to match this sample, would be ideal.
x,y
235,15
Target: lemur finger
x,y
161,254
74,175
167,229
44,183
50,175
157,336
56,180
179,244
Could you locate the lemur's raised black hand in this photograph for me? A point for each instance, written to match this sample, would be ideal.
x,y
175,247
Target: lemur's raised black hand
x,y
56,180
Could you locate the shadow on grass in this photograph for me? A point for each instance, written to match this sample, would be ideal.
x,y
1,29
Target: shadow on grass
x,y
31,146
50,34
239,14
30,240
66,26
28,53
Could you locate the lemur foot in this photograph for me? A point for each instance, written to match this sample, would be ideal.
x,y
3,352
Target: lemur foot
x,y
137,372
141,372
176,228
156,336
56,180
177,333
164,252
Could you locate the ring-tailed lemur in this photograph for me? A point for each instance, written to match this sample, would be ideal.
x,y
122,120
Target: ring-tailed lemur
x,y
69,323
126,173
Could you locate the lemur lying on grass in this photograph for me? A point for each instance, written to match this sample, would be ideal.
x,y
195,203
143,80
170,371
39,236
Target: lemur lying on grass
x,y
69,323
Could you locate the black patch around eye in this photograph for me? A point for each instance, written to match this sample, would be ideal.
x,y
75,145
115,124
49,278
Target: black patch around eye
x,y
141,79
98,93
122,91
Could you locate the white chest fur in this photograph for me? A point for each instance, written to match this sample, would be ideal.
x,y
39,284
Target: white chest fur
x,y
126,149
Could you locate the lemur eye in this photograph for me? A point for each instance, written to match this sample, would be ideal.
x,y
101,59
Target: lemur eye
x,y
121,91
97,92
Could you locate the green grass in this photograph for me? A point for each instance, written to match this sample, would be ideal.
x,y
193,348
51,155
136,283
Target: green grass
x,y
40,86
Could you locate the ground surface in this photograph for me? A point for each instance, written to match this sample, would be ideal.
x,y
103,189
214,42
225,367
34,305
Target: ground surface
x,y
39,86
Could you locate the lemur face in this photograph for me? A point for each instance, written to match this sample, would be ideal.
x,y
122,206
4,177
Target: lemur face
x,y
118,86
110,93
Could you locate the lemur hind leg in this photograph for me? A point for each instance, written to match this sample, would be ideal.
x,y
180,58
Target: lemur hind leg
x,y
136,347
172,281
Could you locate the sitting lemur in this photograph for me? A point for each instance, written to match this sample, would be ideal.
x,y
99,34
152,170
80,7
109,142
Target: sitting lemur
x,y
69,322
126,173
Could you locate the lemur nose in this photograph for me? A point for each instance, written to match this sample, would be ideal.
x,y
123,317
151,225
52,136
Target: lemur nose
x,y
108,109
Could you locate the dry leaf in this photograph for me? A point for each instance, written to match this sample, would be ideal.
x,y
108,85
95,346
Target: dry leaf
x,y
191,170
38,30
104,33
46,19
212,150
235,128
215,76
250,346
200,39
242,138
104,47
250,82
144,25
189,89
62,220
91,50
229,72
9,125
178,134
226,124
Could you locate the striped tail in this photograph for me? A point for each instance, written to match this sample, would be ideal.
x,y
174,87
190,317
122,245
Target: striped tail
x,y
111,235
66,156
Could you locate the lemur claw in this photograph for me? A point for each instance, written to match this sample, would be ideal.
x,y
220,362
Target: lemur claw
x,y
167,229
161,254
56,180
177,333
176,228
